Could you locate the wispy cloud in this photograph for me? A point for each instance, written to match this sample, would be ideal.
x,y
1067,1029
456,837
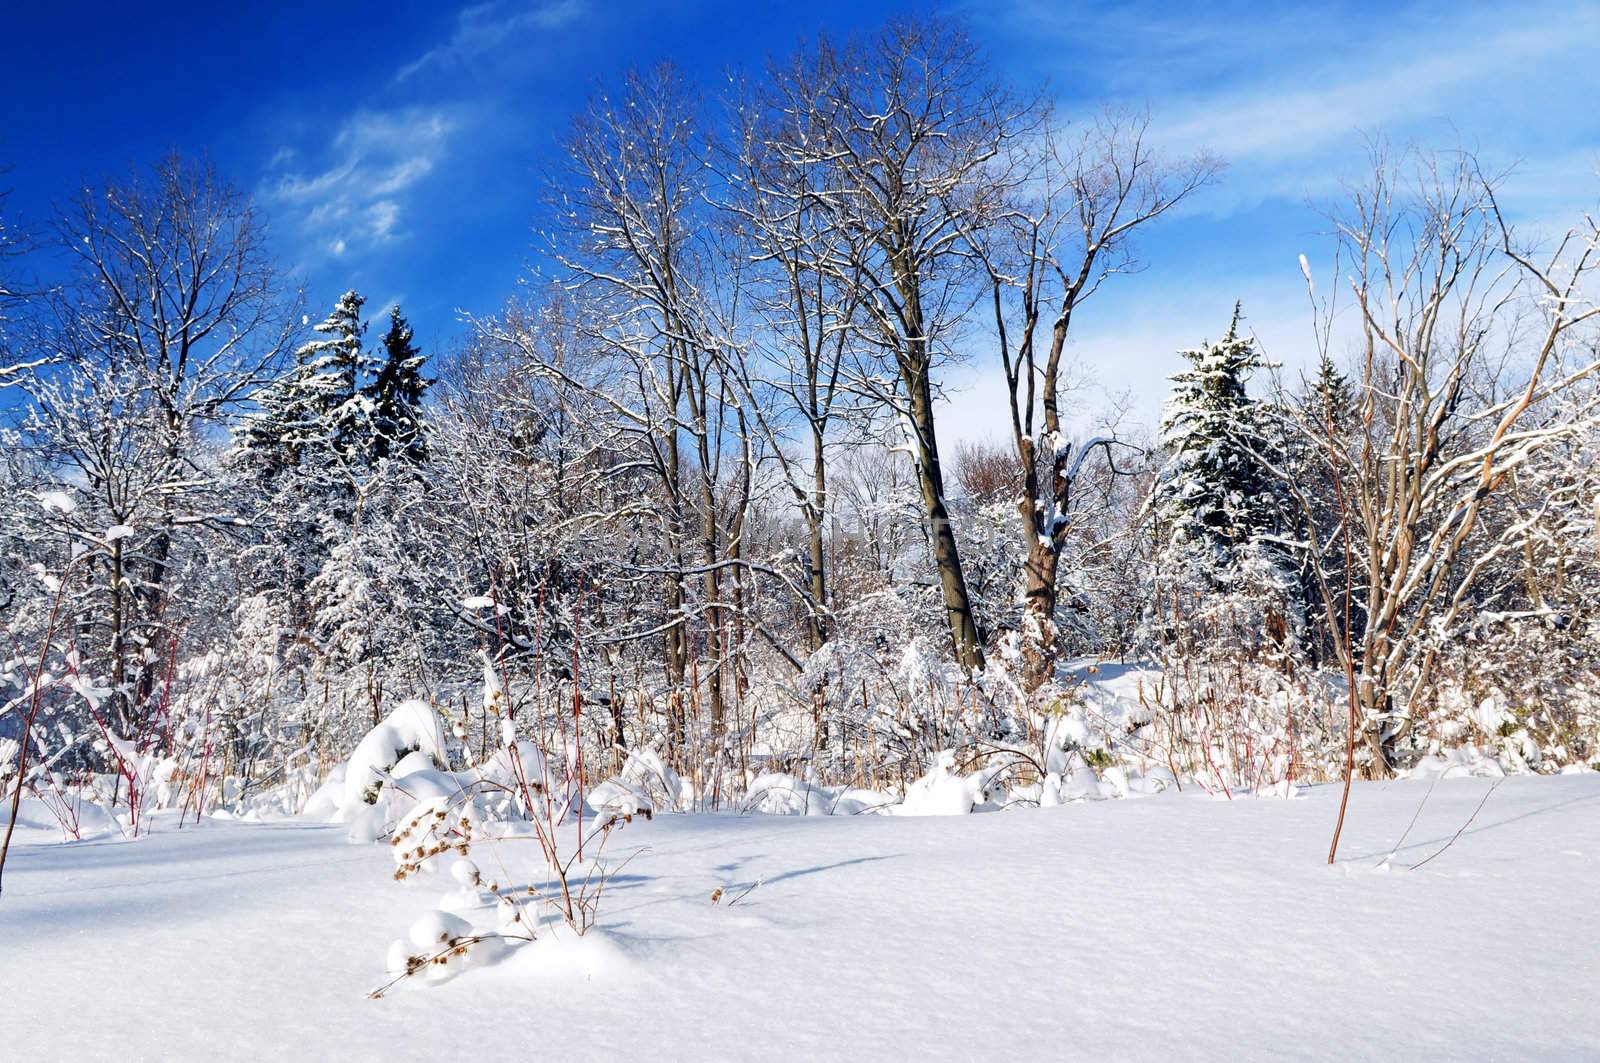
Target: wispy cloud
x,y
1287,96
356,199
481,28
1302,112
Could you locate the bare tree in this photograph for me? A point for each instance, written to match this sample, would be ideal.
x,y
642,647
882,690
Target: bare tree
x,y
910,130
806,317
174,314
1069,227
656,300
1464,337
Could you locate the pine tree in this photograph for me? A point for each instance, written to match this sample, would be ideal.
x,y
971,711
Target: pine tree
x,y
338,367
1217,497
1328,412
1331,403
316,413
395,397
304,449
1226,566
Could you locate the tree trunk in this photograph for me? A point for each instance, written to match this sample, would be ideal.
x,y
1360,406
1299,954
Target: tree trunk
x,y
716,636
1375,702
815,513
964,634
715,641
1038,613
677,634
119,640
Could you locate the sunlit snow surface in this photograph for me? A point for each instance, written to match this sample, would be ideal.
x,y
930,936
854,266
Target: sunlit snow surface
x,y
1175,927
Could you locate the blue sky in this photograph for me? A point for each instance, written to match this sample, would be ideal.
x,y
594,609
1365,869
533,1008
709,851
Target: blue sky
x,y
398,148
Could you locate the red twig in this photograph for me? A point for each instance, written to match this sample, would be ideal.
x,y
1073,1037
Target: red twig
x,y
577,712
36,699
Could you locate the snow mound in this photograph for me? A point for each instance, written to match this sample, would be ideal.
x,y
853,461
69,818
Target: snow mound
x,y
946,792
1462,762
594,955
646,784
777,794
413,727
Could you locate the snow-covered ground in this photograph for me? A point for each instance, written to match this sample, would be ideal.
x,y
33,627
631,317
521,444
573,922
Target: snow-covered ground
x,y
1174,928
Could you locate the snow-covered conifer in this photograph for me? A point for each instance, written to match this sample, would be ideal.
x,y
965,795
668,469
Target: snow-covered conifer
x,y
1216,500
317,411
395,396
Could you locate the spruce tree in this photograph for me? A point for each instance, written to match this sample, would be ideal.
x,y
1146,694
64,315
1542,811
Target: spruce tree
x,y
304,449
1328,413
1224,566
1217,497
339,367
1331,402
395,397
317,412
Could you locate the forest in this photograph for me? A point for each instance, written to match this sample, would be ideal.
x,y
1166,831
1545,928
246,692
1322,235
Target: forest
x,y
689,489
682,528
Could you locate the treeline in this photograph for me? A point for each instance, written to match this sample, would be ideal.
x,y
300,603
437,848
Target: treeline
x,y
691,494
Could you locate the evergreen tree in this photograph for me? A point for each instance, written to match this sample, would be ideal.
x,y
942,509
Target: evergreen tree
x,y
337,370
303,451
1217,497
1328,412
395,397
1331,402
317,413
1226,561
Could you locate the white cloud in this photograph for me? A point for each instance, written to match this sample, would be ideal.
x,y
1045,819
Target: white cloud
x,y
358,198
481,28
381,218
1291,123
383,306
1287,97
403,175
298,188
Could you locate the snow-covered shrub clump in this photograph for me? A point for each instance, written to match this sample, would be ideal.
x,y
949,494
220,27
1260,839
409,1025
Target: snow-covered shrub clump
x,y
778,794
402,765
1463,762
946,792
646,784
413,727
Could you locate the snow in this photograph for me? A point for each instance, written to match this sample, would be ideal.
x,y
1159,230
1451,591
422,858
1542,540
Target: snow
x,y
58,502
1169,927
646,783
779,794
413,726
947,791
